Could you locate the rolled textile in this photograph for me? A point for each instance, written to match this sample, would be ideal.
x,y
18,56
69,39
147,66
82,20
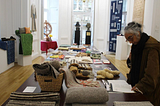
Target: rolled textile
x,y
87,95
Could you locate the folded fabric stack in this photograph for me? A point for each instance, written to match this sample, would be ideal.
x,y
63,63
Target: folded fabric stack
x,y
87,96
81,60
34,99
81,70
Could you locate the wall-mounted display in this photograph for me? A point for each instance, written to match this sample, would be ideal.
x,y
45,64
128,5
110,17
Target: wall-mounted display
x,y
115,23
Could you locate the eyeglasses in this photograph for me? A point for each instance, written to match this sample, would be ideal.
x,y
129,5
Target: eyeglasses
x,y
130,38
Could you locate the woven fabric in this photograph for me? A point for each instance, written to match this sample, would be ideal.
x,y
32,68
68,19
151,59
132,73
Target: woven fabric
x,y
10,47
34,99
25,46
31,103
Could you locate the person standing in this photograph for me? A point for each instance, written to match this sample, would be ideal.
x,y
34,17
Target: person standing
x,y
143,61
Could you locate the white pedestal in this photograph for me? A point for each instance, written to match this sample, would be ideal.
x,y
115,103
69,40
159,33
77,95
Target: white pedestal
x,y
121,48
24,60
4,65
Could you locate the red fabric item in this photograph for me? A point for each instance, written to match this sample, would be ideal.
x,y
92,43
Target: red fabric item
x,y
45,45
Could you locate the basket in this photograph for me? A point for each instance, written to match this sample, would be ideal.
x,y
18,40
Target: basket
x,y
49,83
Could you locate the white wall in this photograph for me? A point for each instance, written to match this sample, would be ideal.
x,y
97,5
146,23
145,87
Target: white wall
x,y
151,18
36,46
65,21
101,25
130,4
15,14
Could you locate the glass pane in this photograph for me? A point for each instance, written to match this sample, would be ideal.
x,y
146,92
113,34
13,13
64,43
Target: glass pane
x,y
45,4
45,16
124,5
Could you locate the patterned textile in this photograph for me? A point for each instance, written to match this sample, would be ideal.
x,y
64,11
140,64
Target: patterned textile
x,y
72,81
25,45
3,45
10,47
34,99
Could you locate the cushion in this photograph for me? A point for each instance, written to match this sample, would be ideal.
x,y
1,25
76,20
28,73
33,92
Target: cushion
x,y
27,29
86,95
22,31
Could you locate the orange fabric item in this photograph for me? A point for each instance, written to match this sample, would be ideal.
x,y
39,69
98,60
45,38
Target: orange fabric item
x,y
27,30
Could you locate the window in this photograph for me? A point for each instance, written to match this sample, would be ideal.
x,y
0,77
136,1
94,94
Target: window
x,y
51,15
83,12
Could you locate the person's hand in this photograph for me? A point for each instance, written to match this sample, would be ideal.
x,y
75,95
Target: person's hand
x,y
136,90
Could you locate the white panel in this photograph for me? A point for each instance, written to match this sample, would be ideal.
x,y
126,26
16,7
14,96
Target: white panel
x,y
37,34
4,65
100,38
148,16
35,52
130,4
16,13
24,13
3,18
101,29
8,18
64,21
156,20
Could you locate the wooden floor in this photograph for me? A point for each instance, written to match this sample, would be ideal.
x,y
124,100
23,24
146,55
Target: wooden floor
x,y
13,78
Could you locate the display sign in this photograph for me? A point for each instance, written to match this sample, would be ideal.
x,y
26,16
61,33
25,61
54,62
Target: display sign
x,y
115,23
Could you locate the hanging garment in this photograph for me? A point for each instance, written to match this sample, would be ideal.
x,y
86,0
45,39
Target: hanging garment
x,y
33,16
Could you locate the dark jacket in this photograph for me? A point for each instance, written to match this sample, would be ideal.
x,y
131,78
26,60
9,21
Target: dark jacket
x,y
149,77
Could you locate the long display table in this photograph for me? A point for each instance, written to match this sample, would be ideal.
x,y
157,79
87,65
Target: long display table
x,y
113,96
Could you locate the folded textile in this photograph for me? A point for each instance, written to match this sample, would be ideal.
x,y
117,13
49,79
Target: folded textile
x,y
72,81
34,96
34,99
86,95
45,69
30,103
25,45
132,103
104,104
